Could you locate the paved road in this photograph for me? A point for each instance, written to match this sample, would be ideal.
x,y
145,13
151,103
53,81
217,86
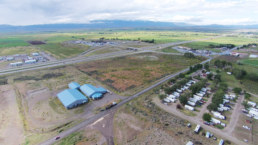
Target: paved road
x,y
103,114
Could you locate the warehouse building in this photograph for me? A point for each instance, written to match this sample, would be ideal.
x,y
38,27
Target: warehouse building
x,y
71,98
74,85
92,91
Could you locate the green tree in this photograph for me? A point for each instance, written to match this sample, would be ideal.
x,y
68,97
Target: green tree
x,y
237,90
183,99
209,76
212,107
206,117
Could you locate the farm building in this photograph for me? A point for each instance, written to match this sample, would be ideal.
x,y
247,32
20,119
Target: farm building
x,y
71,98
74,85
92,91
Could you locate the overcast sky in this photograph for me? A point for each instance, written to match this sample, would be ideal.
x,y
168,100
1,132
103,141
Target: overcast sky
x,y
28,12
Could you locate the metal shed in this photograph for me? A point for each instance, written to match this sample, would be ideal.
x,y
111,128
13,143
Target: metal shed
x,y
93,92
74,85
71,98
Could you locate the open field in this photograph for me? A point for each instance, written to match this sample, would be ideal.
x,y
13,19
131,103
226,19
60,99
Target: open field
x,y
253,62
18,50
63,50
168,50
129,72
245,84
54,41
235,39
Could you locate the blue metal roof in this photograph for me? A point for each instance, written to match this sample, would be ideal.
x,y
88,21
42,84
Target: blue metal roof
x,y
69,96
90,90
74,85
96,96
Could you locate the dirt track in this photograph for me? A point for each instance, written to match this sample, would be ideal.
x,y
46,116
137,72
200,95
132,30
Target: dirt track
x,y
11,128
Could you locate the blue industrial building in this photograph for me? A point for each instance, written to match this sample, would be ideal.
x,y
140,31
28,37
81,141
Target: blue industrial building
x,y
93,92
74,85
71,98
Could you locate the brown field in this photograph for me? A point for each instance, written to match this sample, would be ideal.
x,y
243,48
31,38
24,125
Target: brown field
x,y
128,72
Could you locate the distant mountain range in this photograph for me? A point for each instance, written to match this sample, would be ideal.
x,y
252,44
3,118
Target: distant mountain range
x,y
121,24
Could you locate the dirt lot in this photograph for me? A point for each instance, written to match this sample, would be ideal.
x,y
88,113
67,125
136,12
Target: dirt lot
x,y
11,128
129,72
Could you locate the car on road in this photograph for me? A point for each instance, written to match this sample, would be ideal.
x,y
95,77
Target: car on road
x,y
206,123
57,138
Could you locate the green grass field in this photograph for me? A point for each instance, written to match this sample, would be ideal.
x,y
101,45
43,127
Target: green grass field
x,y
253,62
12,42
201,46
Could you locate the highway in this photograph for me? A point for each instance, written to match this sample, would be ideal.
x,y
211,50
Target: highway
x,y
104,113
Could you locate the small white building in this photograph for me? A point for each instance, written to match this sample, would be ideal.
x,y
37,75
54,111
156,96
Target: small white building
x,y
31,61
10,58
16,64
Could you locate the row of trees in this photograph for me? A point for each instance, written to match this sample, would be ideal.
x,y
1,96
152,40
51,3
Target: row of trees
x,y
177,85
195,68
195,88
221,45
218,97
189,55
222,63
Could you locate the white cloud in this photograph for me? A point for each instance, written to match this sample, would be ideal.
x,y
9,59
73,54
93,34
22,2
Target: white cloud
x,y
26,12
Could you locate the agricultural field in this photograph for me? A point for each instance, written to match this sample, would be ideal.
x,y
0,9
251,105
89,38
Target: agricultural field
x,y
55,41
234,39
130,72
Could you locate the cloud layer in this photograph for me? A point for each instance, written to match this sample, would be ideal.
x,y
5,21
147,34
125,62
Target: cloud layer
x,y
227,12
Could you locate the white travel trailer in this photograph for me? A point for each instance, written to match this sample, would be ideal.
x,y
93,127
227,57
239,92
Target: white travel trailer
x,y
172,96
197,128
199,94
216,121
191,103
193,100
218,115
253,113
253,104
166,100
171,100
189,107
220,109
197,97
